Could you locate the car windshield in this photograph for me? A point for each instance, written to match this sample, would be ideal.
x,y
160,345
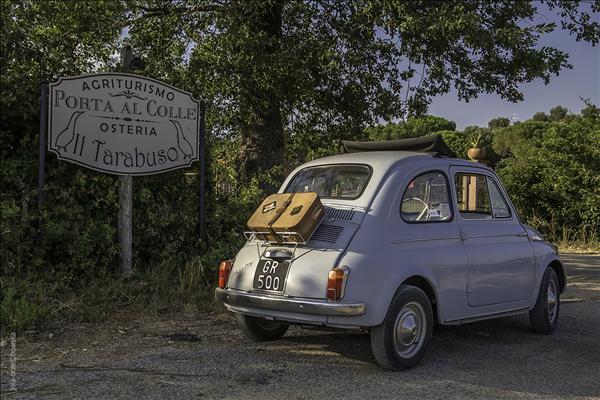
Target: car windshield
x,y
332,181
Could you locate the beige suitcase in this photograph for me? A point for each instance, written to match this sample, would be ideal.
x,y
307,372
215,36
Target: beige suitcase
x,y
264,216
301,217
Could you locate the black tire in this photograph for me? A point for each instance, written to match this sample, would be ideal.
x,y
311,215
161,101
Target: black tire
x,y
544,315
260,329
408,303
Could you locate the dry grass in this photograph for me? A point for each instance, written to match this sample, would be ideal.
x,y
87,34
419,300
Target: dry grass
x,y
575,248
36,302
584,239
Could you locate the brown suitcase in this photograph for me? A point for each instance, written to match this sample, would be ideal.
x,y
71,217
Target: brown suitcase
x,y
300,218
264,216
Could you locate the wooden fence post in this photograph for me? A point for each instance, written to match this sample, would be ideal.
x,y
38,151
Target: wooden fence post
x,y
125,196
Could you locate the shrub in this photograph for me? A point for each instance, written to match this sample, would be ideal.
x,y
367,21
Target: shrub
x,y
17,312
552,171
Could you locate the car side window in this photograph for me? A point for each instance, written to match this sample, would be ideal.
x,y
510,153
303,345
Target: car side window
x,y
472,196
427,199
499,204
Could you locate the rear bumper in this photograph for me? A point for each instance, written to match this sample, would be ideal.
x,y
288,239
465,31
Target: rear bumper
x,y
235,298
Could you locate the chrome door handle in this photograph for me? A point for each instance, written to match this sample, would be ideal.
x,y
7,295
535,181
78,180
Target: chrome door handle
x,y
524,234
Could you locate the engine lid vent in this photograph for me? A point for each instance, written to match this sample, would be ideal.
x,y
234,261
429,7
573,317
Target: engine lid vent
x,y
327,233
335,213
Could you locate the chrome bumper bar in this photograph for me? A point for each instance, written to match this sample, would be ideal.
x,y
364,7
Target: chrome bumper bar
x,y
242,299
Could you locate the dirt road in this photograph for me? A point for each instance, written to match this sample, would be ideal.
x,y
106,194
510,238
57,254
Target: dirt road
x,y
204,356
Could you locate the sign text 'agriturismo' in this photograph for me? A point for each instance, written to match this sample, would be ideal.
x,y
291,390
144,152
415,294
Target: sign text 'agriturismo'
x,y
123,124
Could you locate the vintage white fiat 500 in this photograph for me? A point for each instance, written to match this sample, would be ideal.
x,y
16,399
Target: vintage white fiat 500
x,y
409,239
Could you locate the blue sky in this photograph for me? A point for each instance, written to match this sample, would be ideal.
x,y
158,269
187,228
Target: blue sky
x,y
566,89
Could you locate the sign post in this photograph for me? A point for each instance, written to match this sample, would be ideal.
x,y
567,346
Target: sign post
x,y
125,222
124,124
42,155
202,213
125,219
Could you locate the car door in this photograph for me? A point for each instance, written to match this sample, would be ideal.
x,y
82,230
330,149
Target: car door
x,y
500,263
426,235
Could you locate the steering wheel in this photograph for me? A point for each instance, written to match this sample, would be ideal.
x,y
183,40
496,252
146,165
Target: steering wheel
x,y
425,209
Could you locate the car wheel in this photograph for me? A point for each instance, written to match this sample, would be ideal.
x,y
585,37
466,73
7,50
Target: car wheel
x,y
401,340
260,329
544,315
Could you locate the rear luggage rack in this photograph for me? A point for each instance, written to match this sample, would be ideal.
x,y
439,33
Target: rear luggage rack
x,y
251,235
284,236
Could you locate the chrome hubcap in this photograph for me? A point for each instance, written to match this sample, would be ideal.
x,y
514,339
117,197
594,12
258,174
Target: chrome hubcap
x,y
409,330
551,301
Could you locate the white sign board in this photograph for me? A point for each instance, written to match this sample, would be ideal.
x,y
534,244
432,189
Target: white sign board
x,y
123,124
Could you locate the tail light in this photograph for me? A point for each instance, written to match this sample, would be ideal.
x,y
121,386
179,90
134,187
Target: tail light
x,y
336,282
224,270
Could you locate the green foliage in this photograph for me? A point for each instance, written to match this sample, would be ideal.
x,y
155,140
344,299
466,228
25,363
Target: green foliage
x,y
42,40
500,122
515,139
17,313
558,113
413,127
458,141
27,301
72,241
590,111
552,171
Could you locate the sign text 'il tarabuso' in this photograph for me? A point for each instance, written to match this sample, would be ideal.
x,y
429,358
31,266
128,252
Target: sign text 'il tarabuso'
x,y
123,124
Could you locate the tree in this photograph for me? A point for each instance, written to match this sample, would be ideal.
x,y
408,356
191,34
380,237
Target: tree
x,y
500,122
590,111
540,116
558,113
42,40
276,71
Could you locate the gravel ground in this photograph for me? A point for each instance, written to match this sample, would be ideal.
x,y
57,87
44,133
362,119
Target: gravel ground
x,y
203,356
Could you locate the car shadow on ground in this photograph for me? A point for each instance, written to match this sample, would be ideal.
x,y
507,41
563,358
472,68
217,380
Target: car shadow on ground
x,y
497,354
351,345
357,345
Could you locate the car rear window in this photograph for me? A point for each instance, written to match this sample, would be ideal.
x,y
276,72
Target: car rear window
x,y
347,181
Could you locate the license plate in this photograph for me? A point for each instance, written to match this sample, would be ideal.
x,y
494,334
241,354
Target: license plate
x,y
270,275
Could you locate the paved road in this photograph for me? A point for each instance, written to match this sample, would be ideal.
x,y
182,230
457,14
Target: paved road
x,y
204,356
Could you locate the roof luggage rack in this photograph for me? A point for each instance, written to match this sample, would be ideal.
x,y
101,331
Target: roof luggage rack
x,y
432,144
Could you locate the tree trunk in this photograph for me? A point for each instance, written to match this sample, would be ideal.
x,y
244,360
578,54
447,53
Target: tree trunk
x,y
261,123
